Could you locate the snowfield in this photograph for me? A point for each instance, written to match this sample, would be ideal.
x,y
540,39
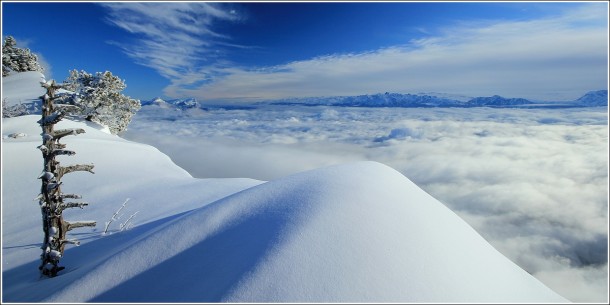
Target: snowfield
x,y
359,232
354,232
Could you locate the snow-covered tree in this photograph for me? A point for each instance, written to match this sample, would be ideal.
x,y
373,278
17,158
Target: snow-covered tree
x,y
10,111
100,99
16,59
51,199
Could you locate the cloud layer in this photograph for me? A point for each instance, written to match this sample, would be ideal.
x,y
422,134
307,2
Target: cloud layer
x,y
532,182
551,58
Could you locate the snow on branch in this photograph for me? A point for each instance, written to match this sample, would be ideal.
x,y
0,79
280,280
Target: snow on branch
x,y
51,199
70,241
60,133
58,152
114,216
52,119
69,205
126,224
79,224
46,176
71,196
61,170
67,108
50,84
123,226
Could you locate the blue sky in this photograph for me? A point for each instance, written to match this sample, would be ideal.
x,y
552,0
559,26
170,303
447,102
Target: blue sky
x,y
251,51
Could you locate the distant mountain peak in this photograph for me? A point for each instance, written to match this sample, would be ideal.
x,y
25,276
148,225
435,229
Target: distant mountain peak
x,y
594,98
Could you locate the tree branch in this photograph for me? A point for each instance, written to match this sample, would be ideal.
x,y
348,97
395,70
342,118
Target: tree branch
x,y
57,152
52,119
78,224
61,171
60,133
69,205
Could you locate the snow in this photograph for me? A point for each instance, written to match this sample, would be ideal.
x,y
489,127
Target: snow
x,y
443,100
22,87
354,232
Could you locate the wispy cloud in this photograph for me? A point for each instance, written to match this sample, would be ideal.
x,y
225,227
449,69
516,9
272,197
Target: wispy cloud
x,y
172,38
556,58
550,58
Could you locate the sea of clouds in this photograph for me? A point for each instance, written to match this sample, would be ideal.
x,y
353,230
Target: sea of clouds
x,y
533,182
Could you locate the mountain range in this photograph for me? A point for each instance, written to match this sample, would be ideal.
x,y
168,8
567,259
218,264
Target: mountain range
x,y
597,98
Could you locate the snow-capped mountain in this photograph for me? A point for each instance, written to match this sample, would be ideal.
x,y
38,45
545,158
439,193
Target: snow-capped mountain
x,y
182,104
497,101
375,100
591,99
594,98
157,101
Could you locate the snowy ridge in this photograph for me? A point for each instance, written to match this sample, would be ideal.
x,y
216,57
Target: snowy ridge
x,y
357,232
354,232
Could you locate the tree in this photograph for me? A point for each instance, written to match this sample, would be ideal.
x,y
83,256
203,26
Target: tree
x,y
15,59
51,199
13,110
100,99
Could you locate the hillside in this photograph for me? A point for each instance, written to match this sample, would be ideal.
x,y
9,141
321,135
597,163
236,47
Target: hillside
x,y
357,232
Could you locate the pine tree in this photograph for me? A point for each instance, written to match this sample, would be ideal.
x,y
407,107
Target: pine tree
x,y
101,100
15,59
51,199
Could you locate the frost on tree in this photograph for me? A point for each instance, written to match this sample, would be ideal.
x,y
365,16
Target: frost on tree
x,y
10,111
51,199
15,59
100,99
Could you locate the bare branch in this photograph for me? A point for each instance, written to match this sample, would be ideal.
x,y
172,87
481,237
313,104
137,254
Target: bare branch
x,y
114,216
57,152
71,196
58,134
70,241
51,119
78,224
69,205
124,225
61,170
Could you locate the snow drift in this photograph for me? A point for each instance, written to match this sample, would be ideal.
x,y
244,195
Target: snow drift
x,y
357,232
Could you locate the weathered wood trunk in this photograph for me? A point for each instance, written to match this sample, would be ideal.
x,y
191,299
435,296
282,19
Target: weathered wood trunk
x,y
52,204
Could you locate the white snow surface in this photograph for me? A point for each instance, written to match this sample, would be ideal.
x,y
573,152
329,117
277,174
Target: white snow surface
x,y
22,87
355,232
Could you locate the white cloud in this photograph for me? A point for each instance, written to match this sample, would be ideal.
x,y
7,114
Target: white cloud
x,y
557,58
550,58
172,37
532,182
48,69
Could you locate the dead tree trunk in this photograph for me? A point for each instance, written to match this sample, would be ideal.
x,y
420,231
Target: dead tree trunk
x,y
51,198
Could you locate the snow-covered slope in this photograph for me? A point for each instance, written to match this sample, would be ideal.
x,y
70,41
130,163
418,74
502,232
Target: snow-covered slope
x,y
358,232
22,87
